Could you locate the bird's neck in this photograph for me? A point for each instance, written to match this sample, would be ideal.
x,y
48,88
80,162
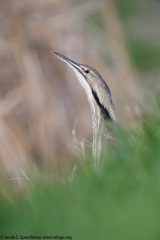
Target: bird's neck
x,y
101,131
98,126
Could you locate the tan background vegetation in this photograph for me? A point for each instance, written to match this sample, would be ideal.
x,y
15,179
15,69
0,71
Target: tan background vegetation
x,y
41,102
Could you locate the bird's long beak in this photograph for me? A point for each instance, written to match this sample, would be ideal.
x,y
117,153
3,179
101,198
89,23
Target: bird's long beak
x,y
70,62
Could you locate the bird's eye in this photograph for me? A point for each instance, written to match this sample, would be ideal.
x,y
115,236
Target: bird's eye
x,y
86,71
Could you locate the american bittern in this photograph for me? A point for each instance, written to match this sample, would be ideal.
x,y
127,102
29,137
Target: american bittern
x,y
100,100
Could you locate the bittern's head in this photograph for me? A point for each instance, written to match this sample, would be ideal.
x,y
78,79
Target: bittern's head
x,y
94,85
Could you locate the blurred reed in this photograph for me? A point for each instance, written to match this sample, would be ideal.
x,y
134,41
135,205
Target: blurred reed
x,y
40,99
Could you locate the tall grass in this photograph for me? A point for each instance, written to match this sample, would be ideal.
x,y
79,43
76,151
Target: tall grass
x,y
120,200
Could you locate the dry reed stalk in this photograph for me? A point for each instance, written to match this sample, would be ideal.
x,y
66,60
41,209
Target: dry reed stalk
x,y
39,98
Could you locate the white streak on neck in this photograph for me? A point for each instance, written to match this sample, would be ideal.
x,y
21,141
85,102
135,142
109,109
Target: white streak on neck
x,y
83,83
95,121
